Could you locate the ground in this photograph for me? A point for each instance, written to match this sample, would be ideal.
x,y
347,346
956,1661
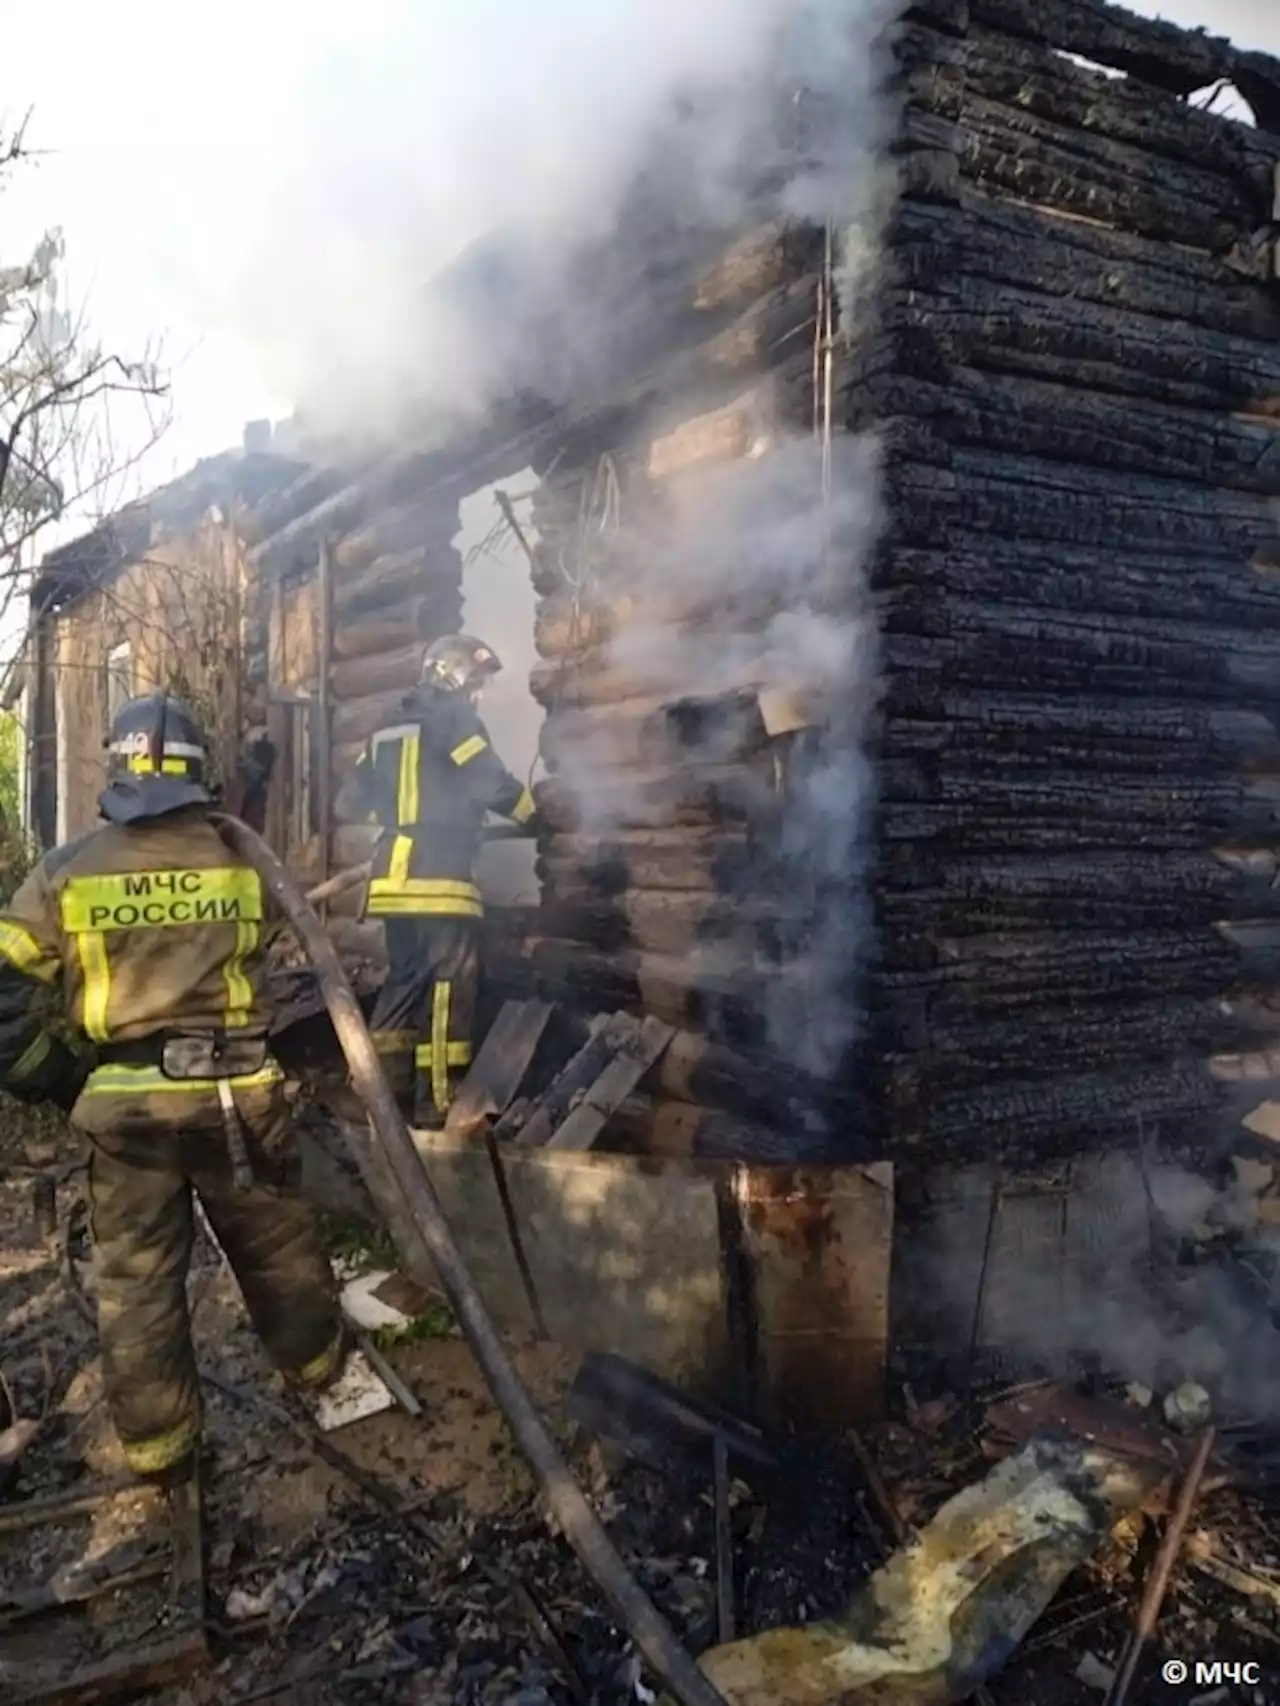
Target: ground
x,y
438,1583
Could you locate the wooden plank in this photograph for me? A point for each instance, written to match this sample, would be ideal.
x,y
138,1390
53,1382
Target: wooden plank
x,y
499,1068
125,1677
61,1507
633,1059
539,1121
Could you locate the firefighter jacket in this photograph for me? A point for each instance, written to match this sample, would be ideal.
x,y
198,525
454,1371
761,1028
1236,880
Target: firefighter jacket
x,y
428,783
121,937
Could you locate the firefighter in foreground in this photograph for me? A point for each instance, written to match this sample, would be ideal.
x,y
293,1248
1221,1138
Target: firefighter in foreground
x,y
143,938
428,781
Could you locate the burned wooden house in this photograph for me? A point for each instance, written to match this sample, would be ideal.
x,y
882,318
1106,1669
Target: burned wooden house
x,y
907,615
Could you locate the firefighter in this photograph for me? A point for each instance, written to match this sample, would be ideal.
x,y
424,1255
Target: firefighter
x,y
130,986
428,781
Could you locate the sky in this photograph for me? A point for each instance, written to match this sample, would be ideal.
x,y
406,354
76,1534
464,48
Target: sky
x,y
208,164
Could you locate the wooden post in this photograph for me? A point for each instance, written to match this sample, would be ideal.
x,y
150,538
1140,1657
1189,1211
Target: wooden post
x,y
324,720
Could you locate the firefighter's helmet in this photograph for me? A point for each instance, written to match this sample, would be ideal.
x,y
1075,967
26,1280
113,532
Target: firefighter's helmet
x,y
457,663
157,759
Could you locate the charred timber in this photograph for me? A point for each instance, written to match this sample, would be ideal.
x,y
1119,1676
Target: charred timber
x,y
1087,890
661,922
984,809
1056,1040
1000,724
385,630
1000,328
1031,498
986,645
693,858
1032,249
1012,826
1062,423
1222,589
1026,1124
940,71
694,793
356,679
1013,970
1053,167
424,569
1149,50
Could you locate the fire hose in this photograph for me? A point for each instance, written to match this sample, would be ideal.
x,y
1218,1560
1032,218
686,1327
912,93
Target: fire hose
x,y
388,1138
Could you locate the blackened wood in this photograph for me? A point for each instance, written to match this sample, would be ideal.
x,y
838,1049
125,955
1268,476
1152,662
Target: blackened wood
x,y
406,527
942,74
425,570
1051,166
499,1068
421,616
1092,346
1026,497
634,1056
1148,49
1017,415
354,679
540,1119
1217,587
1076,260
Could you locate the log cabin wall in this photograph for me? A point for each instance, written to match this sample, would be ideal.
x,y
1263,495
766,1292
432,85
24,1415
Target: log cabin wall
x,y
682,569
1081,614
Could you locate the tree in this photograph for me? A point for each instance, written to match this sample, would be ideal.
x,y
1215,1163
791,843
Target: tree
x,y
62,452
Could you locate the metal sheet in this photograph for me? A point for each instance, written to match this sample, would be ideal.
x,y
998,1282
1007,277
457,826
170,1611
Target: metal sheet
x,y
821,1240
625,1256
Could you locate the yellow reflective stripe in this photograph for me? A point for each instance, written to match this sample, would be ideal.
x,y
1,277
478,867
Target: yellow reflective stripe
x,y
440,1043
124,1080
395,903
430,888
161,1451
468,750
129,900
31,1057
96,972
168,767
398,868
439,897
322,1368
239,989
407,793
524,807
393,1042
25,954
456,1054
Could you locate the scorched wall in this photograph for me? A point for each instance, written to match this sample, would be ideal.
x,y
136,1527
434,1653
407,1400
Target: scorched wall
x,y
1080,590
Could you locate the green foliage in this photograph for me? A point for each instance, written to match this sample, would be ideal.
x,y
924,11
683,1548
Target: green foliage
x,y
16,852
435,1322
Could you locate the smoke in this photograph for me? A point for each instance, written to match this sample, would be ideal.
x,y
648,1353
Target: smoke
x,y
467,196
1158,1290
497,201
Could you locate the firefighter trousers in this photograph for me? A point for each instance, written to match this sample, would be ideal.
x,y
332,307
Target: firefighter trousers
x,y
422,1020
144,1167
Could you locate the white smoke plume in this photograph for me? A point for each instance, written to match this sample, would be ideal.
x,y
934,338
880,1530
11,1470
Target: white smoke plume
x,y
1136,1282
531,129
585,159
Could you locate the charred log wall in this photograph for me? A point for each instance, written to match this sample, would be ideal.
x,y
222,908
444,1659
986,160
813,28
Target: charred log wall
x,y
1080,592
